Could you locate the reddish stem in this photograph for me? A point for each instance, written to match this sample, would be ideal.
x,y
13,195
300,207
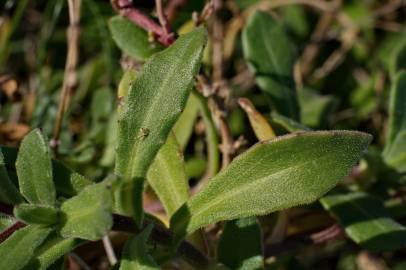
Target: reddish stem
x,y
10,230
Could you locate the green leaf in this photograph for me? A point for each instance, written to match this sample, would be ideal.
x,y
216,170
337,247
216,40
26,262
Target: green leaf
x,y
240,245
135,253
366,221
87,215
167,176
8,191
19,248
51,250
271,58
287,123
315,108
34,170
132,39
394,153
183,128
68,183
288,171
151,108
36,214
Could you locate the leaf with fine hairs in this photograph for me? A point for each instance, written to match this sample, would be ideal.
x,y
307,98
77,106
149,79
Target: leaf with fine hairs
x,y
34,170
271,58
153,104
366,221
394,153
19,248
36,214
135,253
273,175
87,215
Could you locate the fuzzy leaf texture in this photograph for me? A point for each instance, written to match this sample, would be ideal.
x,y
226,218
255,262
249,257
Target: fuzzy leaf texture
x,y
34,170
167,176
51,250
154,102
131,39
366,221
36,214
271,58
288,171
135,256
87,215
240,245
394,153
19,248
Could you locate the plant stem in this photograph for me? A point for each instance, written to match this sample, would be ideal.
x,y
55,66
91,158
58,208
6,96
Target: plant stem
x,y
108,247
70,79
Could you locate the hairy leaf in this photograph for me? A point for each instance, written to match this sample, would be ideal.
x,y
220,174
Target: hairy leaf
x,y
8,191
135,253
36,214
87,215
68,183
34,170
51,250
290,170
395,149
271,58
19,248
183,128
240,245
167,176
366,221
152,106
132,39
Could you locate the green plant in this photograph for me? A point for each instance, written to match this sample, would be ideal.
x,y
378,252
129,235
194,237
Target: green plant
x,y
136,152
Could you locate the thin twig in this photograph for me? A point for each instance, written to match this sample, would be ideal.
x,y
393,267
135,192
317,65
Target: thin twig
x,y
10,230
80,261
70,78
108,247
163,20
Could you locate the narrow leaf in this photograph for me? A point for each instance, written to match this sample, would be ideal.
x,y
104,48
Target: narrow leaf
x,y
34,170
290,170
152,106
183,128
240,245
395,149
167,176
366,221
133,40
135,253
51,250
8,191
36,214
19,248
271,58
286,123
259,124
87,215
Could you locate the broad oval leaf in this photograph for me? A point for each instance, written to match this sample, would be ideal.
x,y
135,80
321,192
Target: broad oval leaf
x,y
167,176
366,221
130,38
36,214
34,170
152,106
19,248
240,245
135,253
271,58
87,215
288,171
394,153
